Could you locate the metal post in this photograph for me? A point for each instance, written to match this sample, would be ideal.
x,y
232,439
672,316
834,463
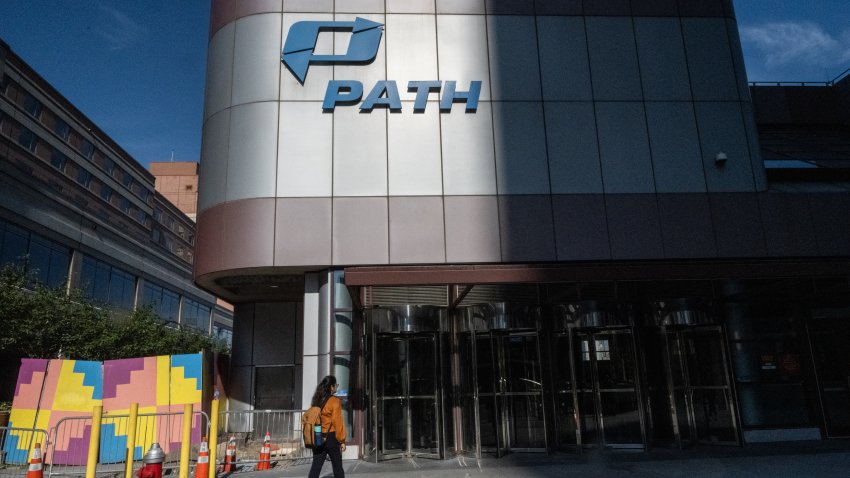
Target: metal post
x,y
186,442
213,434
94,441
131,440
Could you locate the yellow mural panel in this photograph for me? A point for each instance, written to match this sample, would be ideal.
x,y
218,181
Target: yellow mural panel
x,y
71,394
184,390
163,374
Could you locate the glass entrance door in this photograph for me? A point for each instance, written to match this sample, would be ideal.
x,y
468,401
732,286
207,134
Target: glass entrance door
x,y
700,387
502,392
407,396
830,346
606,384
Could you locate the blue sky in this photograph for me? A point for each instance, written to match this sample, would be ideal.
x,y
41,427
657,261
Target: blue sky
x,y
137,67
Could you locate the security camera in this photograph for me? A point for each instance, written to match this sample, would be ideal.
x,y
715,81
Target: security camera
x,y
720,158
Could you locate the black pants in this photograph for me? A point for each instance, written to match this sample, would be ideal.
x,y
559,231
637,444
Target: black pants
x,y
330,448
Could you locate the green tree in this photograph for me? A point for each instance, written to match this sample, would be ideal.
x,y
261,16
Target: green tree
x,y
38,321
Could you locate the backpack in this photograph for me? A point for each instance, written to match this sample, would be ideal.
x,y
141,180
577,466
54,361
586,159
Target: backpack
x,y
312,418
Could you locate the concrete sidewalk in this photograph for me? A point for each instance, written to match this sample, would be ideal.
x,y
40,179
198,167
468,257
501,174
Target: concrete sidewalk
x,y
802,459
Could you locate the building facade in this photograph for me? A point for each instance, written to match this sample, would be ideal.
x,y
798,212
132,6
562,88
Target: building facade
x,y
84,214
513,226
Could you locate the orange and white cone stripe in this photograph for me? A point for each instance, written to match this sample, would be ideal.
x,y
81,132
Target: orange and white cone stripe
x,y
230,456
265,454
35,470
202,469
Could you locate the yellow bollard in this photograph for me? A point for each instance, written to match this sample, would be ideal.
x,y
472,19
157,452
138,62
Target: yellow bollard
x,y
213,434
94,441
131,440
187,441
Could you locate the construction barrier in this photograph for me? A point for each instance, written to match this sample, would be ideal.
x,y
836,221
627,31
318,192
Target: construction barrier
x,y
68,448
249,429
16,446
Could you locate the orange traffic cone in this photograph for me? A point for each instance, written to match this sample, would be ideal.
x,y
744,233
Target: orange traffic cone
x,y
35,469
230,456
202,469
265,454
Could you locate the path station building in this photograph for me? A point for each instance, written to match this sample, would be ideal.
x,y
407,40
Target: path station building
x,y
525,226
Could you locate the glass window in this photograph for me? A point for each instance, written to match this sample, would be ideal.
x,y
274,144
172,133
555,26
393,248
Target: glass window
x,y
87,149
58,160
141,216
62,129
195,315
49,261
27,139
107,284
32,106
144,193
124,205
4,84
84,177
108,165
342,331
105,192
127,180
13,244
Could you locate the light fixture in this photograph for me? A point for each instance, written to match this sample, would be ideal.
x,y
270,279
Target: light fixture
x,y
720,159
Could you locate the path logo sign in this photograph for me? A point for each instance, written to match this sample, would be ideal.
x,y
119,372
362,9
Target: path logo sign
x,y
301,40
299,53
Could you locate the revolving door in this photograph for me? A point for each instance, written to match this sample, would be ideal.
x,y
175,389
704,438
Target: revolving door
x,y
597,389
501,380
406,393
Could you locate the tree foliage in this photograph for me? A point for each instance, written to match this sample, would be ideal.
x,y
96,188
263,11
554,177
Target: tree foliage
x,y
38,321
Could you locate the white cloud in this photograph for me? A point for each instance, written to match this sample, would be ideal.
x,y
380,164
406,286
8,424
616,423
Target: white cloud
x,y
805,43
119,30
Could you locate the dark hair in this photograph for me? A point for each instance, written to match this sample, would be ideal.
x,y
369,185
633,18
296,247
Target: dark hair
x,y
323,390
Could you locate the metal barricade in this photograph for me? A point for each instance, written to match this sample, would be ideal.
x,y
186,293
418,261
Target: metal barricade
x,y
68,453
15,447
249,428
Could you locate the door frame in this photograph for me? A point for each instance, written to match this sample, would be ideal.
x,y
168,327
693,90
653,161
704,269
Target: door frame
x,y
576,333
378,400
819,381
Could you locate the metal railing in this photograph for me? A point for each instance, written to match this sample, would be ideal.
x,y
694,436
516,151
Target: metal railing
x,y
249,428
831,82
69,443
15,447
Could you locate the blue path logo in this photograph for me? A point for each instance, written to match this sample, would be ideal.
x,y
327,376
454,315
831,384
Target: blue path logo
x,y
301,41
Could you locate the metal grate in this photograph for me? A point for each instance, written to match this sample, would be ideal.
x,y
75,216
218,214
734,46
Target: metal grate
x,y
413,295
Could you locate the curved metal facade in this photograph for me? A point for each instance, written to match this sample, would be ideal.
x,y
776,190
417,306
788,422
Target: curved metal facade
x,y
595,124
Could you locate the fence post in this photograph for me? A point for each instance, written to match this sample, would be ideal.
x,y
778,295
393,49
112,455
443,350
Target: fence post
x,y
187,441
131,440
94,441
213,434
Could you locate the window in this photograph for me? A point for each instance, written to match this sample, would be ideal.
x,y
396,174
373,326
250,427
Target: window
x,y
105,283
144,193
62,129
127,180
105,192
108,165
27,139
47,260
195,315
124,205
4,84
165,303
58,160
155,235
87,149
84,177
32,106
141,216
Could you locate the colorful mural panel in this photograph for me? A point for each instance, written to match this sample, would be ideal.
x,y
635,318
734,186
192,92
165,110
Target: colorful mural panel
x,y
57,393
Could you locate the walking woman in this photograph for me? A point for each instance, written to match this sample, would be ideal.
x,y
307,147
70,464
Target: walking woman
x,y
333,428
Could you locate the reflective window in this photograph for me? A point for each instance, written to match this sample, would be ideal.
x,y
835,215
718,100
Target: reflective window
x,y
104,283
127,180
84,177
32,106
108,165
48,261
105,192
87,149
223,334
4,84
58,160
165,303
195,315
61,128
124,205
27,139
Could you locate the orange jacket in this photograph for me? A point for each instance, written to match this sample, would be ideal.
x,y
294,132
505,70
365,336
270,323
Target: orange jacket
x,y
332,419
